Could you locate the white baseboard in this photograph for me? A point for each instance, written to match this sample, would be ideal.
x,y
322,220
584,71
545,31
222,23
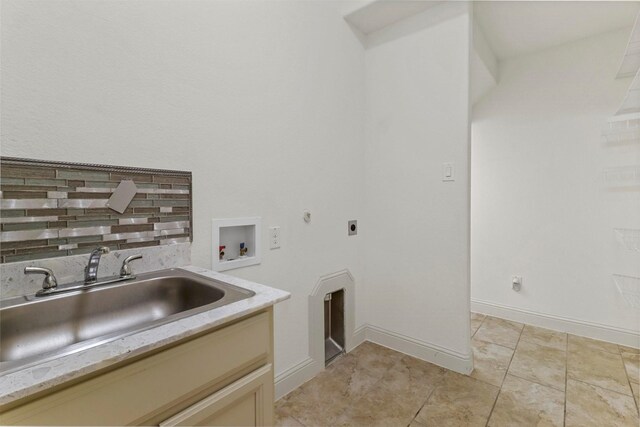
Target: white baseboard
x,y
359,336
429,352
582,328
299,374
294,377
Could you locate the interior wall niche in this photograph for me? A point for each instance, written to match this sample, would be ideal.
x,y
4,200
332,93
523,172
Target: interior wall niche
x,y
236,242
341,286
334,343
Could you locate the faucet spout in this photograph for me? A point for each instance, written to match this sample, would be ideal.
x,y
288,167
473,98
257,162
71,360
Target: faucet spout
x,y
91,270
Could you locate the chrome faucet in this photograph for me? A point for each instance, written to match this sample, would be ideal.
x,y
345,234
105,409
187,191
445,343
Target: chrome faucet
x,y
91,270
49,284
125,271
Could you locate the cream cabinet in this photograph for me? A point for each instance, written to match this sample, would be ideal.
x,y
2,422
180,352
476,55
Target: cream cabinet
x,y
246,402
221,377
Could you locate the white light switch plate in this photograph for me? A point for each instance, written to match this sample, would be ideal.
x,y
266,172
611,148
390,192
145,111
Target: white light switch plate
x,y
448,172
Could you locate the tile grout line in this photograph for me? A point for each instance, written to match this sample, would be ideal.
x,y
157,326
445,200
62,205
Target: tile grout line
x,y
597,385
499,345
536,382
601,388
298,421
492,343
440,382
629,380
426,401
291,416
479,326
566,379
368,389
505,375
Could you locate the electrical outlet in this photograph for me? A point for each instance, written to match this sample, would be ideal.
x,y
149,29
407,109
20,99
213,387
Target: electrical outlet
x,y
352,227
274,237
516,283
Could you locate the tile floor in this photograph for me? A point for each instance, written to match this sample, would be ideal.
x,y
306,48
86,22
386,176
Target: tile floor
x,y
524,376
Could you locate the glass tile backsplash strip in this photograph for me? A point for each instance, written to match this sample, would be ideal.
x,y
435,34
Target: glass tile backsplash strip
x,y
52,209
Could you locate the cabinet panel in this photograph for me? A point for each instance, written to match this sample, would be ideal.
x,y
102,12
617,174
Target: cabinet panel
x,y
146,388
247,402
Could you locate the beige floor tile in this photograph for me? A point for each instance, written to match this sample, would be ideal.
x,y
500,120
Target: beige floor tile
x,y
499,331
598,368
397,397
625,349
459,401
323,399
372,357
588,405
579,344
540,364
376,386
377,408
412,379
523,403
414,375
636,392
490,361
632,364
546,337
285,421
286,407
476,321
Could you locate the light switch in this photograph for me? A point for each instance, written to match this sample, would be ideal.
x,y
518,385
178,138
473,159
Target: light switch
x,y
448,172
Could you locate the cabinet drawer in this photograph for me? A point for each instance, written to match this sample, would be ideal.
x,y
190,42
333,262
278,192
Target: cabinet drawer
x,y
246,402
137,392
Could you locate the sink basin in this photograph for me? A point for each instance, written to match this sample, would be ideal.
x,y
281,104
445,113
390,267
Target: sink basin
x,y
35,329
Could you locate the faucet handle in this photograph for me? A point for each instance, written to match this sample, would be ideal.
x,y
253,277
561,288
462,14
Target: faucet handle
x,y
125,271
50,281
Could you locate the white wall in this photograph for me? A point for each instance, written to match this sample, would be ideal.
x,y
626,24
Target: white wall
x,y
263,101
416,227
540,208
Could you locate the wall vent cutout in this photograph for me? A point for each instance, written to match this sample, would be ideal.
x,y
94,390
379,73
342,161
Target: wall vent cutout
x,y
334,342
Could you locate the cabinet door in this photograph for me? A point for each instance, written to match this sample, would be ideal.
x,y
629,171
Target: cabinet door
x,y
246,402
157,386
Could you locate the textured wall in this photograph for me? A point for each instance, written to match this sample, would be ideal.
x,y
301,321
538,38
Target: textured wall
x,y
261,100
416,252
540,206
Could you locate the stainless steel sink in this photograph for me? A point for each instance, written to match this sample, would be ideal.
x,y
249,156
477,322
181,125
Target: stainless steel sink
x,y
36,329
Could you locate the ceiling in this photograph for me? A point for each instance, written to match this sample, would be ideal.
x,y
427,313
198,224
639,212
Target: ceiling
x,y
515,28
376,15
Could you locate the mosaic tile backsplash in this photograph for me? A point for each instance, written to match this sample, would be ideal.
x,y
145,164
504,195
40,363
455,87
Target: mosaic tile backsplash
x,y
53,209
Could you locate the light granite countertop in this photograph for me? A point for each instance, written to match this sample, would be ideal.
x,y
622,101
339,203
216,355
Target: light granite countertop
x,y
22,383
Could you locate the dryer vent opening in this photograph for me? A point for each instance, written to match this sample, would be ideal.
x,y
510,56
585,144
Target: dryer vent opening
x,y
333,325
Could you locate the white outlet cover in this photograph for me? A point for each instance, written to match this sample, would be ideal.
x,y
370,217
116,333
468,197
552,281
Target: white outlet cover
x,y
274,237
